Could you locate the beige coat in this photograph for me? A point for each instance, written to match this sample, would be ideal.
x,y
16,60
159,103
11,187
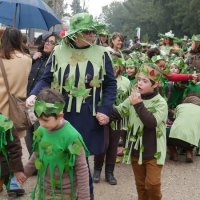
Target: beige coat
x,y
17,70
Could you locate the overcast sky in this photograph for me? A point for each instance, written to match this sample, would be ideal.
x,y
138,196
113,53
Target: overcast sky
x,y
95,6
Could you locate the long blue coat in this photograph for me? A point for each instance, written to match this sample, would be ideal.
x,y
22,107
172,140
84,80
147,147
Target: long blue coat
x,y
85,122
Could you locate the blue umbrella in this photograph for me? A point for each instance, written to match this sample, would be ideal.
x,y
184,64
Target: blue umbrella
x,y
27,14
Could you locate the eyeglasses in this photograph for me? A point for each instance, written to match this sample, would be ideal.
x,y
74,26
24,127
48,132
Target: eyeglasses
x,y
50,42
89,32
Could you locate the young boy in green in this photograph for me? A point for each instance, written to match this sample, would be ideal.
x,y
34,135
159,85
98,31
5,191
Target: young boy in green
x,y
59,153
146,138
10,157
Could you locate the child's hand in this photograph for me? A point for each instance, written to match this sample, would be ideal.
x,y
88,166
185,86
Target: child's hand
x,y
20,176
30,101
37,55
135,98
195,76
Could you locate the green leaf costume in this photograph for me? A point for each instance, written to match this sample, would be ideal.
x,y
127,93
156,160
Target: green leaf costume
x,y
56,150
158,107
64,56
5,128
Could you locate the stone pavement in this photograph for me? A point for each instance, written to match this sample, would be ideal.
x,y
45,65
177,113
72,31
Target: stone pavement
x,y
180,181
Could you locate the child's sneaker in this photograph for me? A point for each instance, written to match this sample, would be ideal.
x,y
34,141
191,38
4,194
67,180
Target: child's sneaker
x,y
15,189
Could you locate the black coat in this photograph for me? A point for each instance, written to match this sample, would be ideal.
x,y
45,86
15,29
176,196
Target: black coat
x,y
36,72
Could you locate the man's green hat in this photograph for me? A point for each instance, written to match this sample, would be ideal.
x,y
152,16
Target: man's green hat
x,y
82,22
5,123
156,58
132,63
196,38
167,35
42,107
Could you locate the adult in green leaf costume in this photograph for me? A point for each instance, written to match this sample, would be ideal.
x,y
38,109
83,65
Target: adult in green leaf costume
x,y
83,73
59,153
146,139
10,156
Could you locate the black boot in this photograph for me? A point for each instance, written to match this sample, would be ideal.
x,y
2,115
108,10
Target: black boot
x,y
97,171
109,174
96,176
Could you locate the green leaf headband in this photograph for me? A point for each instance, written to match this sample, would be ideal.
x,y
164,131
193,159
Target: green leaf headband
x,y
41,107
132,63
177,61
196,38
5,123
117,62
156,58
151,72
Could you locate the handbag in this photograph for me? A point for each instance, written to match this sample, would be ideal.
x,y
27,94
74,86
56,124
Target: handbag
x,y
17,107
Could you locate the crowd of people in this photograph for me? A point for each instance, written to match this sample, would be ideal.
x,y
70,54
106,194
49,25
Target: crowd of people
x,y
92,96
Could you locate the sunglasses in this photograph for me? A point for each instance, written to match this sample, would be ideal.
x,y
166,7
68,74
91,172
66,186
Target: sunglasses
x,y
89,32
50,42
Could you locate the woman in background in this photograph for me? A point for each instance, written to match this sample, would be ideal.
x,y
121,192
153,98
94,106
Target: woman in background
x,y
17,66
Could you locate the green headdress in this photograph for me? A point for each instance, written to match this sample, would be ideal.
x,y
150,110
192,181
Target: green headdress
x,y
82,22
132,63
151,72
5,123
196,38
117,61
167,35
178,40
156,58
177,61
41,107
103,32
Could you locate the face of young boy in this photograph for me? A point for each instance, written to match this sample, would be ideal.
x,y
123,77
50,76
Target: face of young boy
x,y
144,85
50,123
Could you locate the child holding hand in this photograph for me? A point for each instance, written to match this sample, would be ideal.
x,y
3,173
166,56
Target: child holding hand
x,y
59,153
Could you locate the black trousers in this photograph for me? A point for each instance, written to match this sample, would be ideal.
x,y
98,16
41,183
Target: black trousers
x,y
111,139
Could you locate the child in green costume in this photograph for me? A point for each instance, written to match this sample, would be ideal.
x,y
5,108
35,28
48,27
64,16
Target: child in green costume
x,y
59,153
146,139
10,157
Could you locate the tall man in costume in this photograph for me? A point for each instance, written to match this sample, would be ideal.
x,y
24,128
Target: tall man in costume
x,y
83,73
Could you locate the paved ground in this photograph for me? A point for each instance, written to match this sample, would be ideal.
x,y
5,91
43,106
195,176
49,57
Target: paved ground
x,y
180,181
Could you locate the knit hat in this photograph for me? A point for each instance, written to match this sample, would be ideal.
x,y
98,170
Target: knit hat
x,y
192,99
83,22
